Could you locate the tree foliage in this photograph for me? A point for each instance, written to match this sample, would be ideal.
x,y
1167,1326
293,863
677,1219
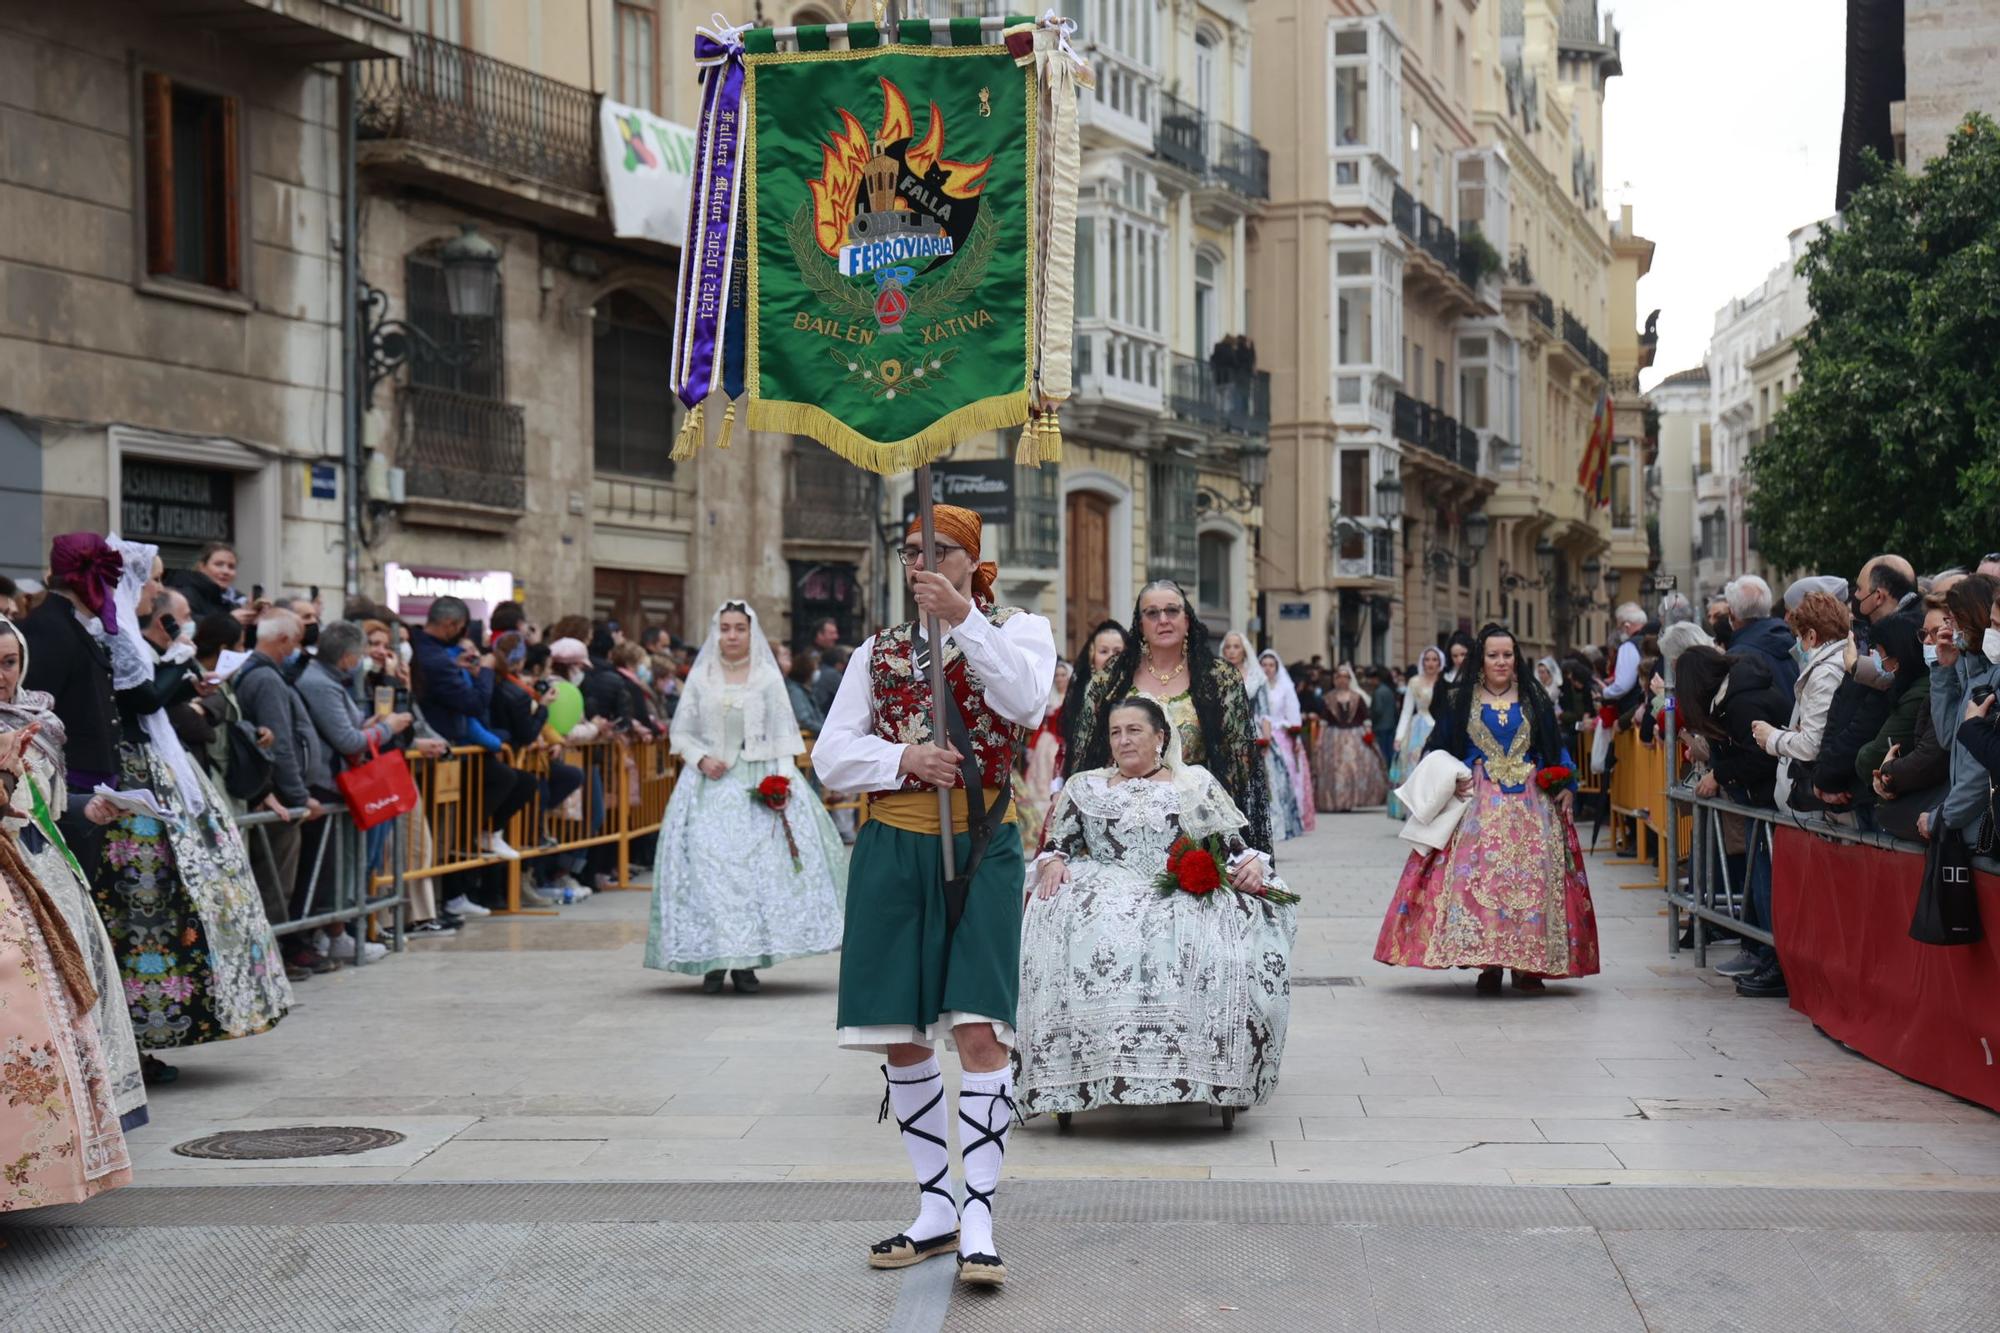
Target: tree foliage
x,y
1892,440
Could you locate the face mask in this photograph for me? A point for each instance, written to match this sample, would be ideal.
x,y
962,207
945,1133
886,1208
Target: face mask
x,y
187,632
645,674
170,627
294,657
311,636
146,621
1930,654
1989,643
403,650
1875,656
1800,653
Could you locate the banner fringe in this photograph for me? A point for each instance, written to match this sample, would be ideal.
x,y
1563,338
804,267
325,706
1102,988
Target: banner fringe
x,y
1003,412
692,431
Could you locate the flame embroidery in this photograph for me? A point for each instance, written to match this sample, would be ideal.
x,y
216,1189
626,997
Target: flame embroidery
x,y
846,154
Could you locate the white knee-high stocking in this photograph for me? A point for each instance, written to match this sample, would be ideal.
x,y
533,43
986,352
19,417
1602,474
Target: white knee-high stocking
x,y
916,1095
985,1114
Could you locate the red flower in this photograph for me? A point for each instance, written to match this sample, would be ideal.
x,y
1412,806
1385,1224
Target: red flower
x,y
1197,872
1555,775
773,791
1263,742
1367,738
1182,846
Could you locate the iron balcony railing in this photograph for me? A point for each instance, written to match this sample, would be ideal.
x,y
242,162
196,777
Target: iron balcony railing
x,y
488,111
1241,163
1227,400
827,499
1182,136
1579,340
457,446
1544,311
1439,241
1431,428
1518,268
1403,208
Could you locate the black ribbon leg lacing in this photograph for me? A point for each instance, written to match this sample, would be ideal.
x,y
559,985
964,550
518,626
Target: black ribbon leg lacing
x,y
993,1136
909,1127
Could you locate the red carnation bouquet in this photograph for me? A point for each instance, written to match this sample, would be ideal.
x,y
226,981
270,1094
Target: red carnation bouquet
x,y
1554,776
1367,738
1197,866
773,793
1263,742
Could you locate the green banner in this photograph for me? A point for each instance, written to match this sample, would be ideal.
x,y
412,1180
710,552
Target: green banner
x,y
891,217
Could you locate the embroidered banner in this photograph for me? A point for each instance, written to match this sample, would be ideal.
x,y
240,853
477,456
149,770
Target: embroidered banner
x,y
891,217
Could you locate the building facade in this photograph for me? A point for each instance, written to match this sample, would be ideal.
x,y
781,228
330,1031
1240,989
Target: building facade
x,y
1686,452
171,362
1437,263
1752,365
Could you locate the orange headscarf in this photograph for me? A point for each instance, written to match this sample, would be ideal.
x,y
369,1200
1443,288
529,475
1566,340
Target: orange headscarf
x,y
962,526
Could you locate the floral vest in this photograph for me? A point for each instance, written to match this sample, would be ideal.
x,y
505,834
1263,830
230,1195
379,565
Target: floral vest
x,y
902,699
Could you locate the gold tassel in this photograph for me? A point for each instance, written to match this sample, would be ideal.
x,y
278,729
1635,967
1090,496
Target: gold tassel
x,y
693,431
1029,452
1052,444
728,424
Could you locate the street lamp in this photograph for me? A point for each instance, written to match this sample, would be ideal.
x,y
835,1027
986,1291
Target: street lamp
x,y
471,291
1545,559
1389,493
1590,569
1478,527
1253,464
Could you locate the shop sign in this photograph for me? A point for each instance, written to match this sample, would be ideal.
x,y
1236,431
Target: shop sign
x,y
168,504
986,487
412,588
1295,610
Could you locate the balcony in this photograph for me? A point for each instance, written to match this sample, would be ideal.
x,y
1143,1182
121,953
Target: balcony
x,y
304,32
1577,338
505,132
1181,136
1119,368
460,452
1544,312
1403,210
1437,240
827,499
1118,112
1519,272
1242,165
1221,402
1429,428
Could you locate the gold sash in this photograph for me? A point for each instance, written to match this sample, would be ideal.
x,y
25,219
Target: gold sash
x,y
917,811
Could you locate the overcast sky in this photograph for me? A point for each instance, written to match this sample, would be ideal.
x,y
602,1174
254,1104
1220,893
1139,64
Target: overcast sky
x,y
1724,135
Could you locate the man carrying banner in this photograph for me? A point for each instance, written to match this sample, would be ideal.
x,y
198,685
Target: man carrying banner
x,y
923,958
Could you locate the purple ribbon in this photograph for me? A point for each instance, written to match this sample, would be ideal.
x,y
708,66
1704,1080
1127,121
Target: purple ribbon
x,y
708,255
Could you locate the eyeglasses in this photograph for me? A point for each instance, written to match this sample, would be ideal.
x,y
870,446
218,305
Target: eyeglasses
x,y
1163,612
909,555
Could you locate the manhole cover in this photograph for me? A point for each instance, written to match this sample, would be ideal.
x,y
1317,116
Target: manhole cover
x,y
1326,981
262,1145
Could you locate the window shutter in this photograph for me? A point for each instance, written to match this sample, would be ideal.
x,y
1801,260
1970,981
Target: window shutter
x,y
157,91
233,199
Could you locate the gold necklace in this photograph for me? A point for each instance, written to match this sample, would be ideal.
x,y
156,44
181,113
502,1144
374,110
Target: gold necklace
x,y
1154,671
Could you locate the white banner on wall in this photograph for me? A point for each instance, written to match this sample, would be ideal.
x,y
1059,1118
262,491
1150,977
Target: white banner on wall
x,y
648,172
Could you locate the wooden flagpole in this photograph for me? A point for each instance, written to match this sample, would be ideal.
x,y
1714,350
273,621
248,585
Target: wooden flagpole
x,y
933,631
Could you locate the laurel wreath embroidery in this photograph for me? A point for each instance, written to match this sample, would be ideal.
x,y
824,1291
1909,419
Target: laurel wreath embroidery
x,y
820,274
891,377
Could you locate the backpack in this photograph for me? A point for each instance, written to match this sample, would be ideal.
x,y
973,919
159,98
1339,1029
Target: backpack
x,y
249,773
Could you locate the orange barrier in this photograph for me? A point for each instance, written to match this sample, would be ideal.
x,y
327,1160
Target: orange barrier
x,y
635,776
1639,781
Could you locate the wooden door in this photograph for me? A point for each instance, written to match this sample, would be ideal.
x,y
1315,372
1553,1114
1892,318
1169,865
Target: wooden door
x,y
637,598
1089,559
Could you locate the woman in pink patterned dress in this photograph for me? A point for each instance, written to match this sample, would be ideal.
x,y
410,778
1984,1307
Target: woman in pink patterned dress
x,y
1508,890
60,1141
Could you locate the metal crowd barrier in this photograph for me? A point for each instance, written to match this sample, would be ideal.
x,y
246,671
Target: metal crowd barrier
x,y
336,890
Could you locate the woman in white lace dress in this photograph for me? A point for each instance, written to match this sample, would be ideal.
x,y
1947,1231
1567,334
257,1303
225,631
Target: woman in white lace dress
x,y
731,891
1133,999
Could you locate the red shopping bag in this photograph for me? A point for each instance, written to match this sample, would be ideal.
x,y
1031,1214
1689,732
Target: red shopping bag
x,y
378,790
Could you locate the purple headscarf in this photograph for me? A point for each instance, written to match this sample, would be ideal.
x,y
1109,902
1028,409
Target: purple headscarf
x,y
88,567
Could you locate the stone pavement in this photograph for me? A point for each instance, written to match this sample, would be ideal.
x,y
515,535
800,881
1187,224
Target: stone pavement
x,y
566,1106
